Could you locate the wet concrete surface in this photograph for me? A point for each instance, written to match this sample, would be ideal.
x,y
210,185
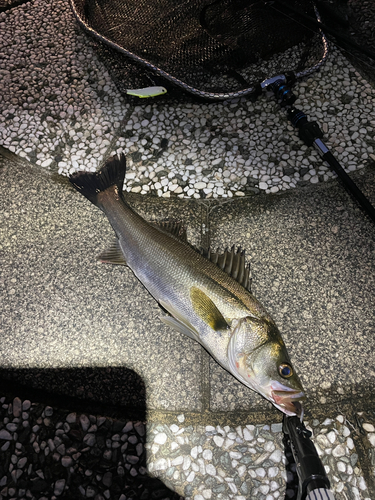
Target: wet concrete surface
x,y
99,399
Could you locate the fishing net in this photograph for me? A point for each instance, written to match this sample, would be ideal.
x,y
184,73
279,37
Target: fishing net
x,y
351,25
213,49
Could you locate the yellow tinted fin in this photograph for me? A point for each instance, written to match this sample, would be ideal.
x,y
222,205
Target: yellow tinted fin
x,y
113,255
206,310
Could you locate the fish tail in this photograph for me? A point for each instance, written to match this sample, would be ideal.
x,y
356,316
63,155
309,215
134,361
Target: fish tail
x,y
91,184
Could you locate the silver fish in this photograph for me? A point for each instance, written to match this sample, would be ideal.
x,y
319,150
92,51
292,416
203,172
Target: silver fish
x,y
207,302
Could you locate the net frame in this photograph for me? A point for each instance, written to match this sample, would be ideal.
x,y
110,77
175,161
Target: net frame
x,y
252,90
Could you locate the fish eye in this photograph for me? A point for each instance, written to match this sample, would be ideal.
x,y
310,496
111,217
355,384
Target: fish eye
x,y
285,370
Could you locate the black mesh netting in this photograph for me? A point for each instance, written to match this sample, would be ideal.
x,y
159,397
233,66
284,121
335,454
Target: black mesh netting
x,y
207,48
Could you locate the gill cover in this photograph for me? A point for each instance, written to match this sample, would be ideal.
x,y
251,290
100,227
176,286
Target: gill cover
x,y
244,340
258,357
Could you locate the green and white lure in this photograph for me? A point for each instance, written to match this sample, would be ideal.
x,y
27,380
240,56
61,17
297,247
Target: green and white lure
x,y
147,92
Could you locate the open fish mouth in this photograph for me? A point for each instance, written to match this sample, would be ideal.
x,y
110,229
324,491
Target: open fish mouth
x,y
288,401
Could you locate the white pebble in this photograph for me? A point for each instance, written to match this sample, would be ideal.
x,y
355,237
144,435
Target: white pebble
x,y
160,438
331,436
350,443
190,477
178,460
248,436
186,462
260,472
339,451
362,484
273,471
341,467
276,456
368,427
218,441
264,488
210,469
161,464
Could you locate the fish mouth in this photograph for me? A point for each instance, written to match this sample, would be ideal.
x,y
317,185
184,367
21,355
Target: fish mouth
x,y
288,401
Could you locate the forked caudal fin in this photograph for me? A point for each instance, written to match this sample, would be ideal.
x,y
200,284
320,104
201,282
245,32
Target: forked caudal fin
x,y
90,184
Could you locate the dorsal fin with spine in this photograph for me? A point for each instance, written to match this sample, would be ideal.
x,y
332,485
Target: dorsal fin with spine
x,y
233,263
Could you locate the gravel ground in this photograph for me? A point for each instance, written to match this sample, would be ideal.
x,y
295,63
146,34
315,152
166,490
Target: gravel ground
x,y
60,110
49,453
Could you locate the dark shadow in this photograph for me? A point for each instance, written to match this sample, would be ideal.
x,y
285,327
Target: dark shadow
x,y
118,387
9,4
84,433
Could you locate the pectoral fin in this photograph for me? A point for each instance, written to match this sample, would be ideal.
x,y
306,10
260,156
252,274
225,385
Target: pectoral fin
x,y
178,322
207,310
113,255
180,327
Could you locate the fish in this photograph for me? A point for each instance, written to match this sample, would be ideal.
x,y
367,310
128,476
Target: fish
x,y
207,296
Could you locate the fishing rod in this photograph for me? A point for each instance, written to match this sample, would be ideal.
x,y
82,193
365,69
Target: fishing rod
x,y
301,454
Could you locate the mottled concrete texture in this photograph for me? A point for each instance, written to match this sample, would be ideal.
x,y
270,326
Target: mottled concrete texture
x,y
313,262
86,329
62,309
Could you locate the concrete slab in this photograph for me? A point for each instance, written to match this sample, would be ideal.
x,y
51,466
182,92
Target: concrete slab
x,y
63,310
66,329
313,262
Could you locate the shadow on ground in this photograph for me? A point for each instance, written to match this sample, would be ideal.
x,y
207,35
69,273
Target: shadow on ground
x,y
70,452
